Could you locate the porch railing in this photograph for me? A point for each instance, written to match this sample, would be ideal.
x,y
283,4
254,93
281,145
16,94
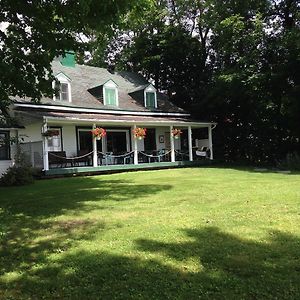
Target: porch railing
x,y
33,152
159,157
109,158
59,159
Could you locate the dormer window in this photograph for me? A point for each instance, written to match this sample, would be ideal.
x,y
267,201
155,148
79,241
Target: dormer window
x,y
63,92
110,93
150,97
63,88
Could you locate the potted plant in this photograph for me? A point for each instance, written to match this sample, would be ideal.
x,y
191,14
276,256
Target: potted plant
x,y
139,133
176,133
50,133
98,133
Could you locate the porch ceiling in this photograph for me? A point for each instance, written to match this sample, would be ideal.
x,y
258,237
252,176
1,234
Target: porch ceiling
x,y
113,119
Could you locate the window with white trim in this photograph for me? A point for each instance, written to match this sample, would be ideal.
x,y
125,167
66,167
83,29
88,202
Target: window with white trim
x,y
4,145
62,92
62,87
110,93
150,97
55,142
110,96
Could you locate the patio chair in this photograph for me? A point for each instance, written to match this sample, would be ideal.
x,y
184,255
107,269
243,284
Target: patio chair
x,y
57,158
203,152
83,158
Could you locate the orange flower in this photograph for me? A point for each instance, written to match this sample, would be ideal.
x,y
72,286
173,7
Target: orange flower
x,y
176,132
139,132
98,132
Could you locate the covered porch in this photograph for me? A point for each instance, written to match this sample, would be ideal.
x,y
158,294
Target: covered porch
x,y
71,147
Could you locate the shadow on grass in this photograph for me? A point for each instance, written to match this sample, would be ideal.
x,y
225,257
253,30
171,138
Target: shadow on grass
x,y
253,169
28,237
225,267
51,197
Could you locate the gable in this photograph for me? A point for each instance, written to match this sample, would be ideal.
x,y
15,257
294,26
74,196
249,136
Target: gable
x,y
62,77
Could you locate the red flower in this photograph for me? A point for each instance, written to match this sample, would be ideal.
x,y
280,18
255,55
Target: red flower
x,y
98,132
139,132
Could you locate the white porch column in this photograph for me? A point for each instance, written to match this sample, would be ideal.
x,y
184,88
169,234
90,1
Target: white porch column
x,y
134,147
172,145
210,142
95,150
190,143
45,148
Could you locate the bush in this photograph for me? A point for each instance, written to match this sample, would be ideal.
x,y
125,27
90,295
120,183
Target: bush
x,y
17,175
291,162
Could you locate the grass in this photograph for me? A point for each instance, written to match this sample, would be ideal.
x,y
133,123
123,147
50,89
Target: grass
x,y
199,233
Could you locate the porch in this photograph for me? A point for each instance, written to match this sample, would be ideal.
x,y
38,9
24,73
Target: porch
x,y
73,149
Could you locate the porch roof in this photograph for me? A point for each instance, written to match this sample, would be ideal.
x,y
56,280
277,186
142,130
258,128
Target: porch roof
x,y
112,119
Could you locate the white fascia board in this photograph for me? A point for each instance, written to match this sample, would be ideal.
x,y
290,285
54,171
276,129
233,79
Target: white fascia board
x,y
10,128
110,83
61,76
99,111
150,88
131,122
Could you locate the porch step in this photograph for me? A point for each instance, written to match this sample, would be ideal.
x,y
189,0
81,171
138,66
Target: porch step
x,y
57,172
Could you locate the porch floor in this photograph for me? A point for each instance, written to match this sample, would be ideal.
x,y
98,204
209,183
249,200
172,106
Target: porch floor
x,y
122,168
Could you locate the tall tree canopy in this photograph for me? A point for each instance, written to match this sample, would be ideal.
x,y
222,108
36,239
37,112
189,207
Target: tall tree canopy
x,y
32,33
234,62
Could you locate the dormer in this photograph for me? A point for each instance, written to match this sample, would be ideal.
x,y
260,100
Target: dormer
x,y
146,95
62,84
150,97
110,93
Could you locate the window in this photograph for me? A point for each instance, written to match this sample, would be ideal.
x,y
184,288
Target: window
x,y
110,93
63,92
4,145
85,140
55,142
150,100
110,96
62,86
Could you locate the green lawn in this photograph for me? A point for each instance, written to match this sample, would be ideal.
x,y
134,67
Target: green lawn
x,y
199,233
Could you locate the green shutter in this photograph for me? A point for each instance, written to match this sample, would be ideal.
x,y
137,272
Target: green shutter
x,y
150,100
110,97
68,59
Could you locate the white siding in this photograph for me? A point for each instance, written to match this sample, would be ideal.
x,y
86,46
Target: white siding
x,y
140,144
202,143
69,139
4,165
32,132
165,131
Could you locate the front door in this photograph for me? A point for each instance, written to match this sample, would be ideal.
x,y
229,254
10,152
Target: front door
x,y
85,141
150,140
117,141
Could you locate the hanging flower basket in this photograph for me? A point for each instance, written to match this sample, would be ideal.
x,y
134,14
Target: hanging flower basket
x,y
139,133
176,133
50,133
98,133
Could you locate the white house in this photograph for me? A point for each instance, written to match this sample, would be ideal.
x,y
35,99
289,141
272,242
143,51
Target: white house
x,y
57,131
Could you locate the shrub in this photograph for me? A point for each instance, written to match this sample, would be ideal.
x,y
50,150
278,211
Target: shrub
x,y
291,162
21,173
17,175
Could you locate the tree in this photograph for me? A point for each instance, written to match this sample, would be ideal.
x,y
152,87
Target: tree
x,y
32,33
234,62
